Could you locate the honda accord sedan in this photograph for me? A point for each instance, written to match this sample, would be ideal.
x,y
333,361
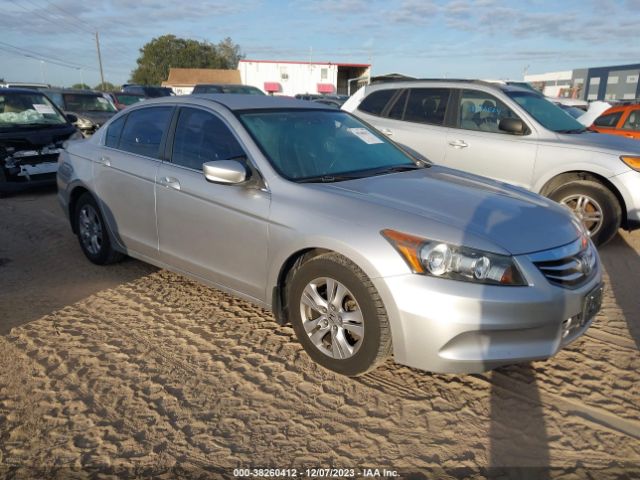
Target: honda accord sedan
x,y
366,249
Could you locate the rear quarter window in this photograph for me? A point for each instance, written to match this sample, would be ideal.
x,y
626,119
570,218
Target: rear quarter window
x,y
376,102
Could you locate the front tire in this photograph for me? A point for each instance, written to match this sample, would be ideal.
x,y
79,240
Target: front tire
x,y
92,232
338,315
594,204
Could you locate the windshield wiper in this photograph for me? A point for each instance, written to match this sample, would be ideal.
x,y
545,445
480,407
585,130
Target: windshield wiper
x,y
398,168
573,130
328,178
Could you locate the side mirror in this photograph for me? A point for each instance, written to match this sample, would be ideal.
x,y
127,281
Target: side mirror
x,y
228,172
71,117
515,126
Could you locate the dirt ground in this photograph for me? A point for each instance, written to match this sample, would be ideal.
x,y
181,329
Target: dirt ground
x,y
128,370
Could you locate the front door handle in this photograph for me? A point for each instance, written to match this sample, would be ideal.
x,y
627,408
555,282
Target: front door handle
x,y
170,182
106,161
459,144
386,131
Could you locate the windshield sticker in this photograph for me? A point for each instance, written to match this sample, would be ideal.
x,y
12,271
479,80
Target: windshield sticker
x,y
365,135
43,109
103,100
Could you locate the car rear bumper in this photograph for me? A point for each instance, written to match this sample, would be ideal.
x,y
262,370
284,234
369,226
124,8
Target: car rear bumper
x,y
449,326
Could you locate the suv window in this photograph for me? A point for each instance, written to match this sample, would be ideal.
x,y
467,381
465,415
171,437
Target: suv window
x,y
114,131
202,137
608,121
633,121
397,111
427,105
375,103
144,129
482,112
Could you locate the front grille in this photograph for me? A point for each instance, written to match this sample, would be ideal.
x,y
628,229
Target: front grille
x,y
569,266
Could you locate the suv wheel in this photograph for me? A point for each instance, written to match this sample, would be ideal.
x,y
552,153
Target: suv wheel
x,y
92,232
594,204
338,315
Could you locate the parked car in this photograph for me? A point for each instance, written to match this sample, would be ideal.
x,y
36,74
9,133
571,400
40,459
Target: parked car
x,y
516,136
362,247
621,120
122,100
226,88
90,108
32,131
148,91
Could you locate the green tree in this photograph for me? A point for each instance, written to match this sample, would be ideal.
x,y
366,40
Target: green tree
x,y
106,87
81,86
162,53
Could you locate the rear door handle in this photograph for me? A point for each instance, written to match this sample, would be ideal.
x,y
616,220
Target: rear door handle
x,y
459,144
170,182
106,161
387,131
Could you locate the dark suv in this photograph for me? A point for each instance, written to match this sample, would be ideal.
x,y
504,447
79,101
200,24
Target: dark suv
x,y
148,91
226,88
32,132
92,109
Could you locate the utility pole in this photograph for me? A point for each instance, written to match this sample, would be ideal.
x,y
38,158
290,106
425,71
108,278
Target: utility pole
x,y
100,62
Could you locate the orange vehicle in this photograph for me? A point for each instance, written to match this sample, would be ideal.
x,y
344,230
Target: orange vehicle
x,y
620,120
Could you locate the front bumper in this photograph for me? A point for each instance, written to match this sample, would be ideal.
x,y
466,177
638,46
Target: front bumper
x,y
449,326
628,184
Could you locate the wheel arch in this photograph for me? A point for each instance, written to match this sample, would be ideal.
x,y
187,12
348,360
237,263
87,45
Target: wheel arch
x,y
565,177
74,196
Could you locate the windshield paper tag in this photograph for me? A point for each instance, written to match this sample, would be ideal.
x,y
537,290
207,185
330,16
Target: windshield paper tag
x,y
102,100
43,109
365,135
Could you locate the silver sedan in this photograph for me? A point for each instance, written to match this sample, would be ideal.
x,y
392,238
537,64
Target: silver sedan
x,y
365,248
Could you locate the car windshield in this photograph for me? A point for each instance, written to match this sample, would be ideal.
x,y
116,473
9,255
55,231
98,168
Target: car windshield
x,y
323,145
128,99
32,108
82,102
547,113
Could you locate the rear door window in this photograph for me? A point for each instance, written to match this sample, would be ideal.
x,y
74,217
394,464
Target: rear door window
x,y
633,121
609,120
144,131
377,101
427,105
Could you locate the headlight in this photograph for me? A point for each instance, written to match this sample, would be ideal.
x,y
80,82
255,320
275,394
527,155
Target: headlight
x,y
84,122
631,161
77,135
439,259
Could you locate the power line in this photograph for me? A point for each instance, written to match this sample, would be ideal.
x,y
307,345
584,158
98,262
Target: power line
x,y
51,59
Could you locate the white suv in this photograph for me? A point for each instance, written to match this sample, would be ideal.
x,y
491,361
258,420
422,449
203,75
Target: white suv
x,y
514,135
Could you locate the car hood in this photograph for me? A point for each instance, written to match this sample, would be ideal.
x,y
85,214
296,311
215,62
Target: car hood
x,y
613,144
511,218
35,138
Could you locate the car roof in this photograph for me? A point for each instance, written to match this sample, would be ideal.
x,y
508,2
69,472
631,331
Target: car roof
x,y
75,91
449,83
236,101
19,90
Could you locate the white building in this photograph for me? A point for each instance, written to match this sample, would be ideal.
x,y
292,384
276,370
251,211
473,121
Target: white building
x,y
553,82
291,78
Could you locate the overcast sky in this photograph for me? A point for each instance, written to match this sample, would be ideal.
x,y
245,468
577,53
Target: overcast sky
x,y
479,39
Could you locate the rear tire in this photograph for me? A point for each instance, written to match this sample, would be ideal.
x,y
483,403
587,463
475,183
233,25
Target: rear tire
x,y
338,315
92,232
595,204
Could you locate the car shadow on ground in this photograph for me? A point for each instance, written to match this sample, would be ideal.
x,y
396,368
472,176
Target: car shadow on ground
x,y
42,268
622,264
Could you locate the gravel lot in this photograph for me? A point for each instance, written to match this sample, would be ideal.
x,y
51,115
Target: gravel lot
x,y
132,370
